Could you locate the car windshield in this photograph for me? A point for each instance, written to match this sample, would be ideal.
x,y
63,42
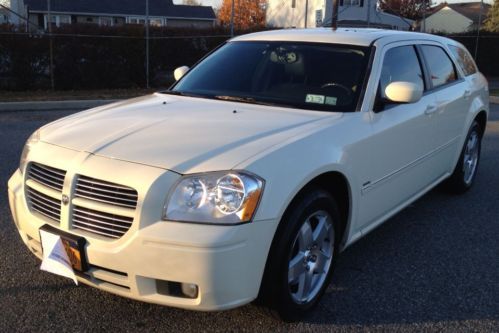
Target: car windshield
x,y
314,76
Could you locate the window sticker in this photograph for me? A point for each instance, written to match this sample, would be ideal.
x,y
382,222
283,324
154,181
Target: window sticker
x,y
317,99
331,100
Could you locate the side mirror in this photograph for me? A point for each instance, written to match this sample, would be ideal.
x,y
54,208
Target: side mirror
x,y
403,92
179,72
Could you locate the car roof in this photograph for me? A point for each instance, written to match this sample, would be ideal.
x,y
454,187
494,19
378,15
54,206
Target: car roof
x,y
351,36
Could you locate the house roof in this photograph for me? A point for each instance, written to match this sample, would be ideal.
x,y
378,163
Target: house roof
x,y
470,10
123,7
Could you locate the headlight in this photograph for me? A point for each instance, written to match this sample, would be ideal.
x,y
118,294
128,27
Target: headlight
x,y
34,138
227,197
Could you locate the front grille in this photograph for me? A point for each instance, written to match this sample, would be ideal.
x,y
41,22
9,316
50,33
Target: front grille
x,y
43,204
48,176
106,192
105,224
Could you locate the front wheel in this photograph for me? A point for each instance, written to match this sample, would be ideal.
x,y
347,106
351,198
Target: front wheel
x,y
302,256
464,174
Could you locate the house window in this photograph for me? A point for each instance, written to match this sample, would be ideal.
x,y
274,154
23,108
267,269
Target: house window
x,y
351,3
153,21
318,18
106,21
56,20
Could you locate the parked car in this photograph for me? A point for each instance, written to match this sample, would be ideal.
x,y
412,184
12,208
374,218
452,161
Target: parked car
x,y
248,177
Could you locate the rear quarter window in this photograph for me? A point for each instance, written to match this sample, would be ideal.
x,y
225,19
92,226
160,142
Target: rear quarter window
x,y
464,59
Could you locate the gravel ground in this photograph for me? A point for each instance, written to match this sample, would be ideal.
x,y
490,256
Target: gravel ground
x,y
433,267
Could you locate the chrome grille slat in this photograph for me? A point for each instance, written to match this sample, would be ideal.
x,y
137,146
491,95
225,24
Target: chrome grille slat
x,y
104,201
45,211
92,181
105,224
98,226
42,197
98,232
58,172
80,217
45,205
47,176
115,218
106,192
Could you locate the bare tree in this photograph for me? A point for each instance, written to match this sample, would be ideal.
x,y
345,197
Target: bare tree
x,y
411,9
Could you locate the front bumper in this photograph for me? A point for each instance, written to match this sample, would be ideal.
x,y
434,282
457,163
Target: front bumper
x,y
225,262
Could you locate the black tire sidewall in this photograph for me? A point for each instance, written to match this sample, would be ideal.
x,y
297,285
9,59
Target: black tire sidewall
x,y
279,296
457,181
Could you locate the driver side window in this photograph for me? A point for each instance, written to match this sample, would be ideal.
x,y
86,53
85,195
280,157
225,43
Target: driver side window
x,y
400,64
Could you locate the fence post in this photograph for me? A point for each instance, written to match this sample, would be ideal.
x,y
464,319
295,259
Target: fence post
x,y
478,30
147,44
51,46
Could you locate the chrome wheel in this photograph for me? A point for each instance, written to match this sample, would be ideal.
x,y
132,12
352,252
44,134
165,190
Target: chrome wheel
x,y
471,153
311,257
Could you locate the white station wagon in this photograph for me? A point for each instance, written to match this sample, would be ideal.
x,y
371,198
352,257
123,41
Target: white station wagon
x,y
246,179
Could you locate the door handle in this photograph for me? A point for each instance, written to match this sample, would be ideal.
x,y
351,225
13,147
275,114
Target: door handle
x,y
430,109
467,93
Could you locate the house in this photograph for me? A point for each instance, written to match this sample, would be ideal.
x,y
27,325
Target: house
x,y
115,12
454,18
317,13
4,16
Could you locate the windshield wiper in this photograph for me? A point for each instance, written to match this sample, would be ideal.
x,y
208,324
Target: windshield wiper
x,y
242,99
180,93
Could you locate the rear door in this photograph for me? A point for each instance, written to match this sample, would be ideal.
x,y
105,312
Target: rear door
x,y
452,93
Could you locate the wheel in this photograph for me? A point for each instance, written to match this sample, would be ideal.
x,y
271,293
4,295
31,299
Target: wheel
x,y
464,174
302,256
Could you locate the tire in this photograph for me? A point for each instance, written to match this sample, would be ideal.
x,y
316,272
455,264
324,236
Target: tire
x,y
302,256
466,169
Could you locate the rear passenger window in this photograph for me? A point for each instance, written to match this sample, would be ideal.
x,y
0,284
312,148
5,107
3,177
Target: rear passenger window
x,y
464,59
401,64
440,66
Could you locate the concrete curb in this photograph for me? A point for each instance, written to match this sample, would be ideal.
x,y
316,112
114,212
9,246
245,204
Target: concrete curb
x,y
54,105
494,99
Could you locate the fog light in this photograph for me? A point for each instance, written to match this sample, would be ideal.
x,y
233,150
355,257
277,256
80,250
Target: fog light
x,y
190,290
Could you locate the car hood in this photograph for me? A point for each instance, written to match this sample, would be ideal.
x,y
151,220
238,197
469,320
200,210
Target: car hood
x,y
182,134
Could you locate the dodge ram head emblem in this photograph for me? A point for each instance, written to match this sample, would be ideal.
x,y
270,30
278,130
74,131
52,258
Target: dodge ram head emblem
x,y
65,199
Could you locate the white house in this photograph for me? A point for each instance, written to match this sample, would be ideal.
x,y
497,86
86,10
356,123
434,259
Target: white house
x,y
317,13
454,18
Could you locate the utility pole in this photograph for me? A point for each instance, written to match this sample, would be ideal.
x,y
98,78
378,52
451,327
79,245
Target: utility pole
x,y
147,44
306,13
232,20
368,13
478,29
334,18
51,46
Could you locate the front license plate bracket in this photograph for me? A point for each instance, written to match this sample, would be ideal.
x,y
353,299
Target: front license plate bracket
x,y
74,246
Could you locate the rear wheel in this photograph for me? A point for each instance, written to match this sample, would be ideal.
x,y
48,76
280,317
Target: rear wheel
x,y
464,174
302,256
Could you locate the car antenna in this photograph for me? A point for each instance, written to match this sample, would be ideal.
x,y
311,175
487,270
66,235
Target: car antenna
x,y
334,18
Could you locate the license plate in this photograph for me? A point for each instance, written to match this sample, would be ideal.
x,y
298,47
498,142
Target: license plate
x,y
74,246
